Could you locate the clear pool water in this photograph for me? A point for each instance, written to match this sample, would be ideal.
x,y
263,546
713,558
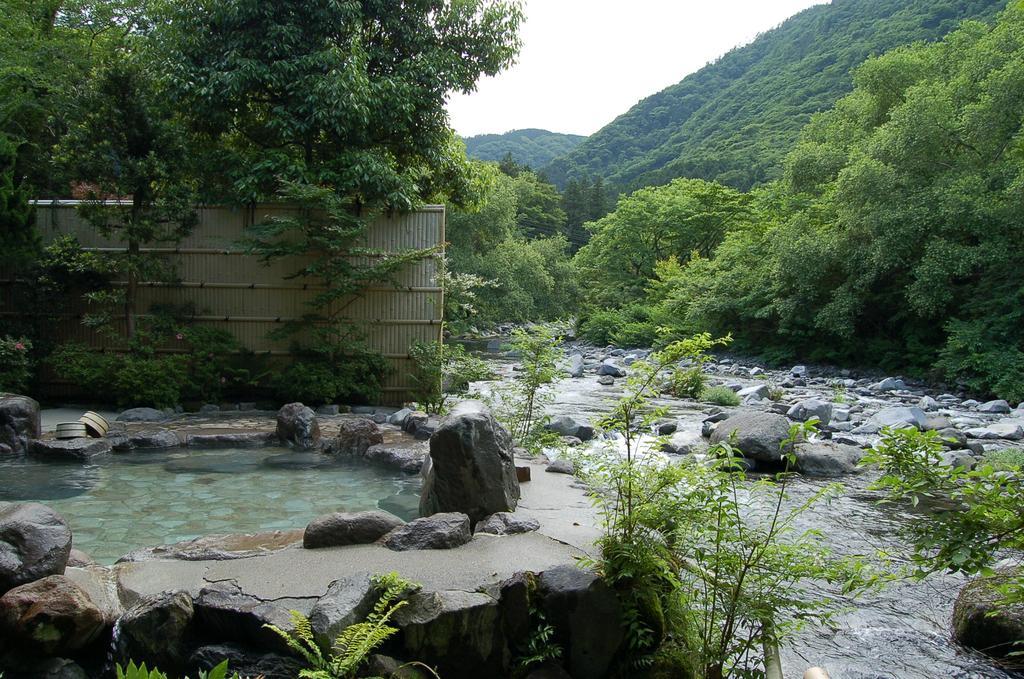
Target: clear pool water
x,y
123,502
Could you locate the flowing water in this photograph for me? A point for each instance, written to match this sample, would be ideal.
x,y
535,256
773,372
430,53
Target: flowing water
x,y
900,632
123,502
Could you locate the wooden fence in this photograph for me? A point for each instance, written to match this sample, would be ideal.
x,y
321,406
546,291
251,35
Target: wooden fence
x,y
236,292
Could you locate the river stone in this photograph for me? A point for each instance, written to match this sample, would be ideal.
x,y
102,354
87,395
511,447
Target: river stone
x,y
561,467
246,661
606,380
959,458
472,465
567,426
928,404
354,437
35,542
156,631
997,407
1011,431
349,528
759,435
79,559
505,523
223,611
683,443
900,417
459,633
826,458
69,449
812,407
758,392
438,531
297,426
19,422
587,617
888,384
575,365
241,439
347,601
52,616
981,623
609,369
158,438
142,415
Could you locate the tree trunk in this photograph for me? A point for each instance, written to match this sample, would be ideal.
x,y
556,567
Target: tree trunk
x,y
133,286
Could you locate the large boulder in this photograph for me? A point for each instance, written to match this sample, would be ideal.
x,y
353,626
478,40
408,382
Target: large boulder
x,y
809,408
297,426
472,465
587,618
575,365
52,616
19,422
567,426
349,528
406,459
505,523
354,437
900,417
154,438
142,415
77,450
826,458
438,531
758,435
684,443
35,542
156,631
347,601
224,612
982,622
247,661
459,633
997,407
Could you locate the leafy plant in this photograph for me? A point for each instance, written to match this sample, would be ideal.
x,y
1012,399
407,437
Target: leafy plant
x,y
441,369
356,642
839,393
521,405
720,396
690,381
133,671
130,379
540,647
708,563
324,377
15,364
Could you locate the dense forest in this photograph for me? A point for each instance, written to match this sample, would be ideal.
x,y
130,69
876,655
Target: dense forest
x,y
892,239
736,119
531,147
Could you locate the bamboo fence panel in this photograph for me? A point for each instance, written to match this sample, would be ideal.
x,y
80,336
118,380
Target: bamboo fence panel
x,y
231,290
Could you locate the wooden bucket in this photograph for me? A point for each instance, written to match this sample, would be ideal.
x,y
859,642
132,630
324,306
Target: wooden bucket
x,y
95,424
71,430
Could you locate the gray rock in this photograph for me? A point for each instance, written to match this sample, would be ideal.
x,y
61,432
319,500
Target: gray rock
x,y
952,438
209,408
158,438
223,611
439,531
758,392
900,417
561,467
840,415
970,403
156,631
56,668
347,601
414,420
759,435
827,458
982,623
354,438
243,439
398,418
297,426
458,633
888,384
587,616
35,542
928,404
506,523
609,369
1010,431
246,661
798,371
575,365
52,616
142,415
69,449
472,467
666,428
606,380
683,443
407,460
19,422
328,410
79,559
567,426
959,458
812,407
349,528
997,407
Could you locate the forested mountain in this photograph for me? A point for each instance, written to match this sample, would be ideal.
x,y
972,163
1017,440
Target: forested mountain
x,y
734,120
534,148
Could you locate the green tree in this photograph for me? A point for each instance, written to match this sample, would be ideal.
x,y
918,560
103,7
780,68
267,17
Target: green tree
x,y
18,241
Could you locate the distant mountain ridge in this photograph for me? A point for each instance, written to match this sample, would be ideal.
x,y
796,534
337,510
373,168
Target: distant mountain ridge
x,y
735,119
532,147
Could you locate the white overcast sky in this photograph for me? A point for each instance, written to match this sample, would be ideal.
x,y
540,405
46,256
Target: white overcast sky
x,y
584,62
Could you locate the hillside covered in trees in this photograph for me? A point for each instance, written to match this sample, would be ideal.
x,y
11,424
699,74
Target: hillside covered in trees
x,y
734,120
534,148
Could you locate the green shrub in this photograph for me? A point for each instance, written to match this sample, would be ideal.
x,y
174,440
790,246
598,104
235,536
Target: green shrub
x,y
124,379
600,327
441,369
635,334
318,379
721,396
215,362
1005,460
15,364
687,383
134,671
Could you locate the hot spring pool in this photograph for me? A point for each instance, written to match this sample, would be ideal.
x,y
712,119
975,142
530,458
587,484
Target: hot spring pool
x,y
123,502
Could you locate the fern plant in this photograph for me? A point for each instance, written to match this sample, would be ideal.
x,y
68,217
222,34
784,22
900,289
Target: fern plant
x,y
134,671
356,642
